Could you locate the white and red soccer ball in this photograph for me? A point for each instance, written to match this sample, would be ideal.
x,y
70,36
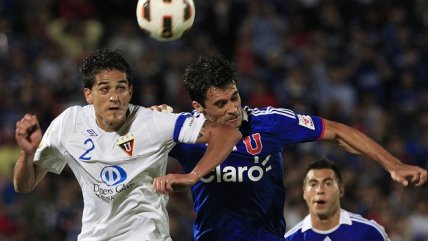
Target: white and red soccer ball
x,y
165,20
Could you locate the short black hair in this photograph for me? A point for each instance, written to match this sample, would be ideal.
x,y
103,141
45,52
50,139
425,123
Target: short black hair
x,y
324,163
209,71
103,59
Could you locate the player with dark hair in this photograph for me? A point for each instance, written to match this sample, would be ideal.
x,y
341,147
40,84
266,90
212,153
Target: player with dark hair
x,y
116,150
322,190
243,197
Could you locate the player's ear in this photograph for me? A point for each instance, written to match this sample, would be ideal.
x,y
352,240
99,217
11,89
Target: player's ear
x,y
341,190
131,90
304,190
198,107
88,95
305,195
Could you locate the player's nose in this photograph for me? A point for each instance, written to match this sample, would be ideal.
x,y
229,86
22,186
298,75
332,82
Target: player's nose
x,y
114,97
232,108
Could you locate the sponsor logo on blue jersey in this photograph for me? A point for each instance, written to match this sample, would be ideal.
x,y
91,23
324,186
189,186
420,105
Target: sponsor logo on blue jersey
x,y
240,173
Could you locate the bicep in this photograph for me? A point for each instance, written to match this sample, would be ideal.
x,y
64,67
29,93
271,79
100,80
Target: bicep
x,y
330,130
342,135
334,131
215,132
204,133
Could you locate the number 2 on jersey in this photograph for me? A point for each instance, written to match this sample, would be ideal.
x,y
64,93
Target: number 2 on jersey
x,y
85,156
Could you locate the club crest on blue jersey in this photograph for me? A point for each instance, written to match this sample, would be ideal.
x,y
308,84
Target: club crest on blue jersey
x,y
126,143
255,148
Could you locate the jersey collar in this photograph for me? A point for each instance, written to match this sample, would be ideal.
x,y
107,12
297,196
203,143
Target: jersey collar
x,y
245,125
344,219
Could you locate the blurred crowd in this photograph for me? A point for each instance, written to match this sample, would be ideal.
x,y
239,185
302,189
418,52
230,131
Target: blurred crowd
x,y
360,62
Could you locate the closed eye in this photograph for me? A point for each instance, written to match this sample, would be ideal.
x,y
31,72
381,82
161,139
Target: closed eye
x,y
220,104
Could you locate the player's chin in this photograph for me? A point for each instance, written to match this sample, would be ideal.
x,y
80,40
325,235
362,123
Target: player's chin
x,y
235,123
116,118
116,113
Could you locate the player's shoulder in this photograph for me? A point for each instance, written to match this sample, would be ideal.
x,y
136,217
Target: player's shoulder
x,y
269,112
370,225
76,108
145,112
65,122
72,112
360,219
295,232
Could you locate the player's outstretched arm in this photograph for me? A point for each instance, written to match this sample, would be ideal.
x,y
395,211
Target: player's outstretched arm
x,y
221,139
28,136
357,142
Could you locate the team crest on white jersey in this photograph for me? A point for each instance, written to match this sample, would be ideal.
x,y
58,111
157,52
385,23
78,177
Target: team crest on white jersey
x,y
306,121
126,143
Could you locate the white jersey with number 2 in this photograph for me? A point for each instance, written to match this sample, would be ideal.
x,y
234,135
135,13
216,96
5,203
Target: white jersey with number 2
x,y
116,169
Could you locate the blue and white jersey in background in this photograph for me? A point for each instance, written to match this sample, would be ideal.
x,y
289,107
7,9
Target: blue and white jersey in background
x,y
116,169
351,227
243,198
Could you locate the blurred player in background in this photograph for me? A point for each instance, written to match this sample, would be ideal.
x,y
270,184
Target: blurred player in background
x,y
322,189
243,198
116,150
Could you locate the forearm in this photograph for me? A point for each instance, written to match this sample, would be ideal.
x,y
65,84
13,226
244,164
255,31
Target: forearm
x,y
357,142
220,143
24,178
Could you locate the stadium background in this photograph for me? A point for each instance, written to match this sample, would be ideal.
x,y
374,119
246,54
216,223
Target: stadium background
x,y
360,62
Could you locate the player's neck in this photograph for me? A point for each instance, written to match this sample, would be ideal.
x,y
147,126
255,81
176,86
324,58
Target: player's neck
x,y
325,223
111,126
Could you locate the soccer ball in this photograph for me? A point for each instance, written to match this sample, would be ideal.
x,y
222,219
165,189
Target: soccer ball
x,y
165,20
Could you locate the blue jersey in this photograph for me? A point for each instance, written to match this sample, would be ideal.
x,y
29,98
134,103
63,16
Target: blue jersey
x,y
243,198
351,227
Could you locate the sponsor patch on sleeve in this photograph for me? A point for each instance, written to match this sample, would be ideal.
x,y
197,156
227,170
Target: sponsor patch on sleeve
x,y
306,121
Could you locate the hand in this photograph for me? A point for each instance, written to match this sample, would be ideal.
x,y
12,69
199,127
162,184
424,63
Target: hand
x,y
162,108
173,182
28,133
405,173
